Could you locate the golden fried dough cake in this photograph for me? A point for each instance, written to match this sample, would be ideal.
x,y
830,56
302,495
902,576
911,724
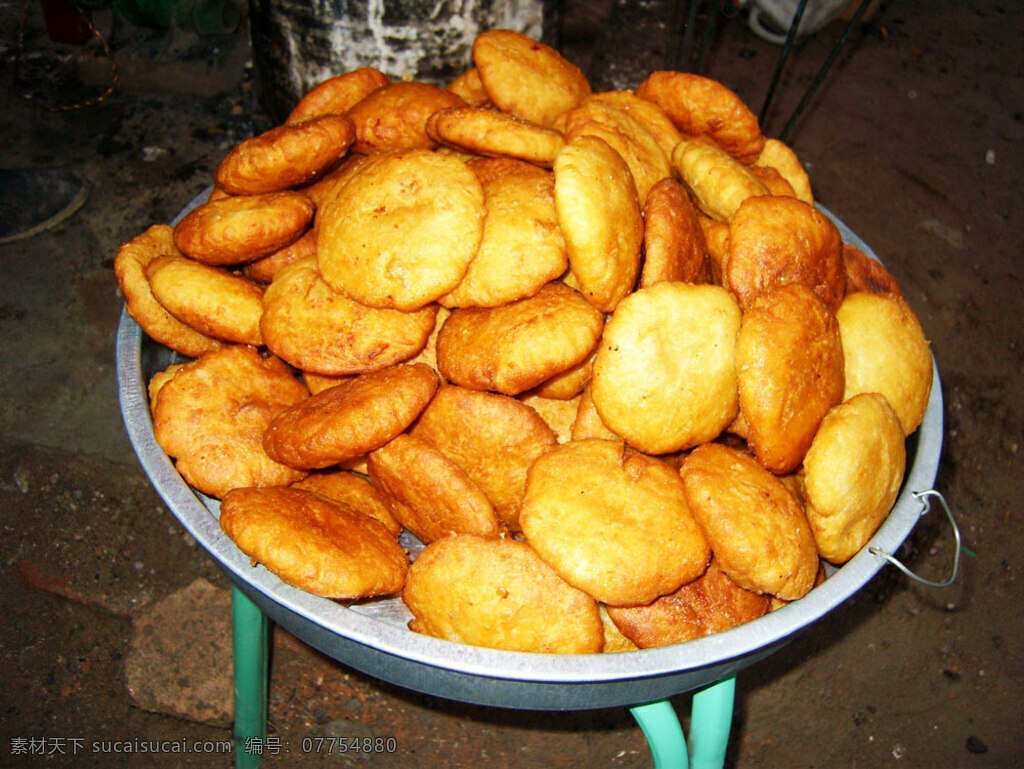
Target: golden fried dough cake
x,y
352,490
499,594
775,241
318,330
493,437
351,418
779,156
716,235
774,181
558,414
710,604
243,228
337,95
428,493
719,182
320,382
470,88
402,231
614,640
588,423
665,372
526,78
648,114
323,189
209,299
789,361
674,244
568,384
757,529
515,347
886,352
522,246
314,543
482,131
211,415
852,474
157,381
395,117
612,522
600,216
263,270
285,156
700,106
866,274
130,264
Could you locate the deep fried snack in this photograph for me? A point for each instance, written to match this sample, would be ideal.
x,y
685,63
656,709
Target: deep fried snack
x,y
852,474
209,299
395,117
314,543
493,437
522,246
567,385
337,95
789,360
514,347
866,274
719,182
130,269
779,156
323,189
710,604
588,423
886,352
592,507
757,529
674,244
285,156
700,106
316,329
558,414
428,493
776,241
402,231
487,132
211,415
263,270
775,182
716,235
157,381
614,640
600,216
648,114
470,88
350,419
352,490
320,382
498,593
665,372
243,228
527,78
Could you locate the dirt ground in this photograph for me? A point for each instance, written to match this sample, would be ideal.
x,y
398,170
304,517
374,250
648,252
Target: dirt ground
x,y
914,140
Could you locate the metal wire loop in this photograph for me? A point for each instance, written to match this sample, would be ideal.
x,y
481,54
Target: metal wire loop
x,y
925,497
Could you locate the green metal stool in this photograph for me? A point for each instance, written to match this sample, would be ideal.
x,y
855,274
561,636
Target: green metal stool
x,y
710,718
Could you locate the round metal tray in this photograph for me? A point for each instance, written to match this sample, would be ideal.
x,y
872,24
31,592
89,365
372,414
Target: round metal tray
x,y
372,636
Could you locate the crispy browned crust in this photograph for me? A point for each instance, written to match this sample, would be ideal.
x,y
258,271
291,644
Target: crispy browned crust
x,y
674,243
337,95
395,117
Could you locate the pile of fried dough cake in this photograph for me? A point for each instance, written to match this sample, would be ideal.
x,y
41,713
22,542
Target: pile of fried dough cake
x,y
600,353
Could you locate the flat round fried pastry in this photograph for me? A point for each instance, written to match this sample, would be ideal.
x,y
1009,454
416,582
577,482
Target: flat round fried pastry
x,y
130,264
700,106
350,419
614,640
157,381
285,156
209,299
710,604
522,246
428,493
402,231
243,228
526,78
211,415
314,543
499,594
322,189
568,384
775,182
316,329
886,352
852,474
558,414
778,155
648,114
789,360
395,117
493,437
588,423
665,372
513,348
352,490
757,529
716,235
776,241
719,182
601,219
612,522
674,244
320,382
866,274
470,88
337,95
263,270
491,133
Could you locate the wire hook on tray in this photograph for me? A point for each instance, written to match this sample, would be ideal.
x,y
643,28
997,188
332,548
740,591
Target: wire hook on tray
x,y
925,497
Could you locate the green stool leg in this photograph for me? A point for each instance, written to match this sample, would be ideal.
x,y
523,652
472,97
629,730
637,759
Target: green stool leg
x,y
250,629
710,721
660,725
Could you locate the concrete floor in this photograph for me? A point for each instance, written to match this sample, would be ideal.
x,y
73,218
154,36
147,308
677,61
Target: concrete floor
x,y
914,140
